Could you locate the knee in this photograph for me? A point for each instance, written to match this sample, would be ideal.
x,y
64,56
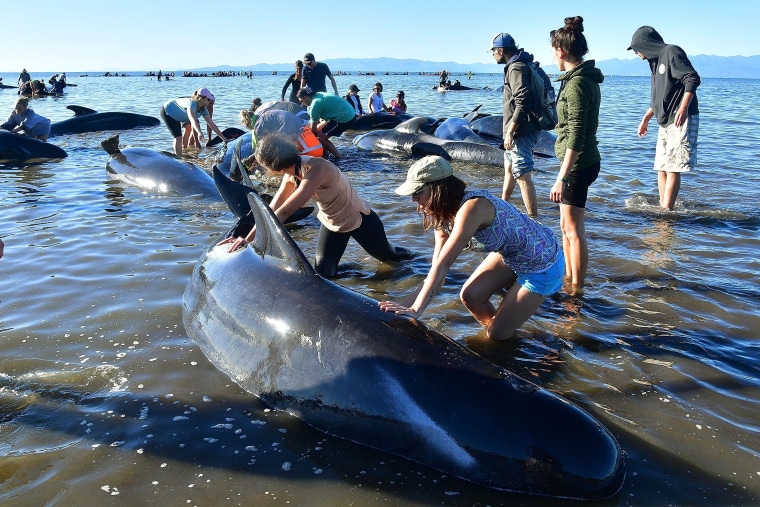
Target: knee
x,y
469,295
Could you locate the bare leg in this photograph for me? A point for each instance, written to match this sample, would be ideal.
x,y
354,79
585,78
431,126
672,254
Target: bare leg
x,y
178,146
528,191
573,225
517,306
509,183
329,146
668,184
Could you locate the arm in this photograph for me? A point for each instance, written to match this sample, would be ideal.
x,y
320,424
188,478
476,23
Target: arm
x,y
644,125
683,110
213,127
470,216
289,82
210,114
194,124
334,84
287,186
571,156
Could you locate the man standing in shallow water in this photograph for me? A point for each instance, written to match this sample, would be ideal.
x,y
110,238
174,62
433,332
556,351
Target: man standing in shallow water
x,y
520,133
674,103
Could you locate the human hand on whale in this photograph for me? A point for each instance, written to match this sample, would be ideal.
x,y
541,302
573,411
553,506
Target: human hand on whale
x,y
236,242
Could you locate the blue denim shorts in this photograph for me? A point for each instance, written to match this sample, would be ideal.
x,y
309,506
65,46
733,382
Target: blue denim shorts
x,y
546,282
520,157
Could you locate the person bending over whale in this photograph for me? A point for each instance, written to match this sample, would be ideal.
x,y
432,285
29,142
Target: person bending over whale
x,y
183,110
24,119
525,257
342,213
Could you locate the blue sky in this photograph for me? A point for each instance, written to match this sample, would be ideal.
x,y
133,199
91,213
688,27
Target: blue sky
x,y
92,35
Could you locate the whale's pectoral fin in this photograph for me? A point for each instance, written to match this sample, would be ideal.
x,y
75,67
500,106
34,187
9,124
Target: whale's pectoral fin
x,y
229,134
273,240
81,110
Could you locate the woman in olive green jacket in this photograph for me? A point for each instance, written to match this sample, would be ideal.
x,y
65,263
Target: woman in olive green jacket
x,y
576,147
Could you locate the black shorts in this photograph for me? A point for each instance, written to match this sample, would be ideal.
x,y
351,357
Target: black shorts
x,y
174,126
334,129
575,192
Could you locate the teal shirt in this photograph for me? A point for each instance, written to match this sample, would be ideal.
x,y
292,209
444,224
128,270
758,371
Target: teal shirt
x,y
578,114
330,107
180,109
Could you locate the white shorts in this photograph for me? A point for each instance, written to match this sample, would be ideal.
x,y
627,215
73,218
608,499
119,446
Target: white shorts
x,y
676,150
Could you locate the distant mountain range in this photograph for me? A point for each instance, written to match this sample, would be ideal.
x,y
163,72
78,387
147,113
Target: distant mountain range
x,y
747,67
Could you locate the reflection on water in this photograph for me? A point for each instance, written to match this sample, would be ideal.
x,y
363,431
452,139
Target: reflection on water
x,y
100,386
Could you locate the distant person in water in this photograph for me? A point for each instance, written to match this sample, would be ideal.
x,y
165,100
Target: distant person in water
x,y
294,83
23,119
375,102
23,77
674,103
398,104
315,73
175,113
352,97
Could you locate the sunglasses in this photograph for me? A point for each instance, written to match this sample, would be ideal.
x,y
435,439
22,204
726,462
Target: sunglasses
x,y
419,192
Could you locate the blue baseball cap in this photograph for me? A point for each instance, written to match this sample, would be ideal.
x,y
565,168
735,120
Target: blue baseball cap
x,y
502,40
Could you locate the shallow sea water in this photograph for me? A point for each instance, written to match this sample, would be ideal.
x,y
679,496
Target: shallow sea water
x,y
104,398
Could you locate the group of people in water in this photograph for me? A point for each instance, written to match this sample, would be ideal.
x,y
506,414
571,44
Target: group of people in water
x,y
525,259
37,88
525,262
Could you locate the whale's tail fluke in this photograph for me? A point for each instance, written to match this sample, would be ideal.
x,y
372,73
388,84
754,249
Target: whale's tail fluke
x,y
111,145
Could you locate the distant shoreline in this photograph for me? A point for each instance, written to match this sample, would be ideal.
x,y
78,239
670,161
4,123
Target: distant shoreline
x,y
708,66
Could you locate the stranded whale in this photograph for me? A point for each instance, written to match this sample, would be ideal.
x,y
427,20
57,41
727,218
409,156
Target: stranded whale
x,y
88,120
332,358
18,147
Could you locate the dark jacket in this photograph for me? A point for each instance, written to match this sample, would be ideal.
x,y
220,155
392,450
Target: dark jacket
x,y
672,74
519,100
296,84
578,114
350,99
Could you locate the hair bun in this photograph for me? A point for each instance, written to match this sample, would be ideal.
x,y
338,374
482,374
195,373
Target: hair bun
x,y
574,24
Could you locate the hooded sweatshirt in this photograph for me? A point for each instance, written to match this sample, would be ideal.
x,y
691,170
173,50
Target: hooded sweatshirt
x,y
672,74
578,114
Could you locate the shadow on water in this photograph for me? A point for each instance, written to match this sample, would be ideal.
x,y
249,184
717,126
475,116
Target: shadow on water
x,y
240,435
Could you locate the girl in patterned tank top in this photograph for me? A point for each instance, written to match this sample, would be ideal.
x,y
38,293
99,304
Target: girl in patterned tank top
x,y
525,256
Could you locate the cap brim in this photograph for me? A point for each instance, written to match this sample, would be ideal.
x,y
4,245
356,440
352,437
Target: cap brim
x,y
409,187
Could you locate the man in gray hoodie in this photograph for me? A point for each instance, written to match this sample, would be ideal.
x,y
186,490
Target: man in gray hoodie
x,y
674,103
520,132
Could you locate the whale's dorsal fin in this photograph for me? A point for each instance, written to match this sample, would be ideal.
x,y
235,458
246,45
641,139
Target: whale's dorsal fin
x,y
273,240
81,110
412,125
111,145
